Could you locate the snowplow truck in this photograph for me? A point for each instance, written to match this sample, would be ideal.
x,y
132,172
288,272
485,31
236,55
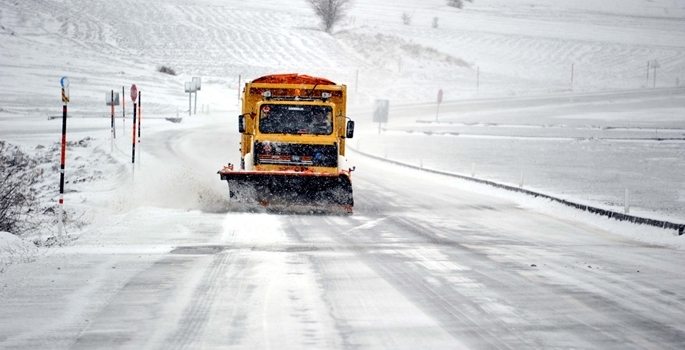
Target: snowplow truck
x,y
293,130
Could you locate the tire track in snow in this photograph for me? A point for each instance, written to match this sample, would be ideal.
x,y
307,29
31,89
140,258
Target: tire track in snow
x,y
198,312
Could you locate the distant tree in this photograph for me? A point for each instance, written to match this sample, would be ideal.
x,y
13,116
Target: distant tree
x,y
330,12
455,3
406,18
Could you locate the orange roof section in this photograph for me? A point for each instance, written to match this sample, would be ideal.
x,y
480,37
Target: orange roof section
x,y
293,78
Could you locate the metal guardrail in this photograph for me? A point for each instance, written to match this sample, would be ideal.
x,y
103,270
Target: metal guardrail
x,y
594,210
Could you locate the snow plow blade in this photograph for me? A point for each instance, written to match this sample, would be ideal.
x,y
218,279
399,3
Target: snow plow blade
x,y
290,188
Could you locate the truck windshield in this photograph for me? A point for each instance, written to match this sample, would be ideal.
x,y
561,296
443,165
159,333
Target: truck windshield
x,y
295,119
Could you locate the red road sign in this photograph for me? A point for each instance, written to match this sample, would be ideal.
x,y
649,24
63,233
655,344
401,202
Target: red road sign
x,y
440,96
134,92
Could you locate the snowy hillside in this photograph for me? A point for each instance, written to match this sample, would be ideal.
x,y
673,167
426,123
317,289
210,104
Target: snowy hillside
x,y
519,48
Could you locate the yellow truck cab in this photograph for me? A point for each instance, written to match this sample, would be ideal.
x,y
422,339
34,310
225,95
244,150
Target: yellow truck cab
x,y
294,129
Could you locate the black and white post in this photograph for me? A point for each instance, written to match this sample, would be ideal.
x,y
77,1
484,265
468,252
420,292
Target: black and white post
x,y
112,99
134,96
140,122
123,108
65,99
112,133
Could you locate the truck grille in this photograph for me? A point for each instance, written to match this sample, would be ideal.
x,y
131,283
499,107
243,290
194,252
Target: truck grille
x,y
293,154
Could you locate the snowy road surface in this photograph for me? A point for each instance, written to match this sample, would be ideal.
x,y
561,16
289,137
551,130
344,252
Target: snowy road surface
x,y
422,263
425,261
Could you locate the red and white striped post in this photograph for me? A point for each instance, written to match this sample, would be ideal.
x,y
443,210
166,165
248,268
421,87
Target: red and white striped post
x,y
140,120
134,96
63,159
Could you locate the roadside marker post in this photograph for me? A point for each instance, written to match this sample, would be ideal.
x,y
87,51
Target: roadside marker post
x,y
193,86
189,91
381,110
626,202
437,113
655,65
134,95
196,86
477,80
140,122
114,131
572,64
64,82
123,107
112,99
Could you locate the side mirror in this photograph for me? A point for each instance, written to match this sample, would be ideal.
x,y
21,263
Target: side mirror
x,y
241,123
350,129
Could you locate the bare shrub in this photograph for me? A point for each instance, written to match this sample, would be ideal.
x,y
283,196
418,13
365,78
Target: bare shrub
x,y
166,70
330,12
456,3
406,18
19,207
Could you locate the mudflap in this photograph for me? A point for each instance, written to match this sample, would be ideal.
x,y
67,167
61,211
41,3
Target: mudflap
x,y
290,189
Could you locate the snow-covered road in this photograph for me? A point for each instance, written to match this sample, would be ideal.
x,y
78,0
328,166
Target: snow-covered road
x,y
156,259
423,263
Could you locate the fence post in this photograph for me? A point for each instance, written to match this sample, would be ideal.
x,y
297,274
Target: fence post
x,y
626,203
572,76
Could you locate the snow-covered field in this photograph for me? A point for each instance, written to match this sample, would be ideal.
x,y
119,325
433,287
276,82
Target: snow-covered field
x,y
547,90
